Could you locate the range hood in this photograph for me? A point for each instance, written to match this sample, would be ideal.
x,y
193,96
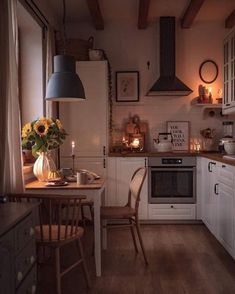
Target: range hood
x,y
168,84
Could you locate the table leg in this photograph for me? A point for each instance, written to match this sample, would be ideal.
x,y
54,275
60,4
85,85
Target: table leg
x,y
97,232
104,234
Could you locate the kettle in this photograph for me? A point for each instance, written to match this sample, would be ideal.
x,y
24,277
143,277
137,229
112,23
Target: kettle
x,y
163,143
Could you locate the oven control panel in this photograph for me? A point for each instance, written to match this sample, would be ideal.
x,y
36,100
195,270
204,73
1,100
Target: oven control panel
x,y
171,160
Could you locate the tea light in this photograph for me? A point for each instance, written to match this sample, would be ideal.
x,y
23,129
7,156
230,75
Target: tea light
x,y
73,147
197,147
135,143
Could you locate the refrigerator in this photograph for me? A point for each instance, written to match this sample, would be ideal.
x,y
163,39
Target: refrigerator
x,y
86,121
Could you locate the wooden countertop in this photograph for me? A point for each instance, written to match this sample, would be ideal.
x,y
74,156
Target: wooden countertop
x,y
11,213
97,184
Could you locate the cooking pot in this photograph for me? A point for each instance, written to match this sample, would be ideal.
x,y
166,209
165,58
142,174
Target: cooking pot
x,y
163,143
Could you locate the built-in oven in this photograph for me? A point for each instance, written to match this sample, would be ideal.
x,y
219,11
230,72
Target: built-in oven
x,y
172,179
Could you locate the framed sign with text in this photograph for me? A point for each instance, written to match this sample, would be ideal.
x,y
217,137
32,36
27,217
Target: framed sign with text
x,y
180,131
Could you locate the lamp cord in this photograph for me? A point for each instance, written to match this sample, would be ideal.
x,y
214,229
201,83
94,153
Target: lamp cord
x,y
64,27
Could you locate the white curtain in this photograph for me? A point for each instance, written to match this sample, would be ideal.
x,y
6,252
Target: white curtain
x,y
11,174
50,52
51,107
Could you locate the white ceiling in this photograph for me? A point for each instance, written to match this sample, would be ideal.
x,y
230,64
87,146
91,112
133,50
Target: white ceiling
x,y
119,10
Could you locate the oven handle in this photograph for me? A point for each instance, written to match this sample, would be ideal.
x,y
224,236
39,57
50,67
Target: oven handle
x,y
174,169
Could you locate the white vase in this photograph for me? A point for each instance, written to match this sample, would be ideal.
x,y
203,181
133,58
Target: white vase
x,y
42,166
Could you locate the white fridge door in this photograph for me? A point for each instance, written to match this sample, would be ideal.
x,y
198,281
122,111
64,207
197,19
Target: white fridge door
x,y
86,121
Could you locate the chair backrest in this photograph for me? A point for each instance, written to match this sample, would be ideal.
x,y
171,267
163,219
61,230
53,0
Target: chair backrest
x,y
60,217
58,214
136,185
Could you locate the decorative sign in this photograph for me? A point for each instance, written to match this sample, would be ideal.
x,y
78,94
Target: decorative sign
x,y
180,134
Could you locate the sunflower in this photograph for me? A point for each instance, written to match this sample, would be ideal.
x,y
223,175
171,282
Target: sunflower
x,y
41,127
59,124
26,130
46,120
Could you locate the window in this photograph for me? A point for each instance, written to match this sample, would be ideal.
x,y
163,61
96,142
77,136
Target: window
x,y
31,65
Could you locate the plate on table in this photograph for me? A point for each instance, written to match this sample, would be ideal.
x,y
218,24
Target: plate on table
x,y
56,184
71,178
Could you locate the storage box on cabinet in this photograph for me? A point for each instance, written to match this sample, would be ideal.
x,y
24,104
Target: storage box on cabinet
x,y
172,211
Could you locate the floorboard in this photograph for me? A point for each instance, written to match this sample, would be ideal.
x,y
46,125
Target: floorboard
x,y
183,259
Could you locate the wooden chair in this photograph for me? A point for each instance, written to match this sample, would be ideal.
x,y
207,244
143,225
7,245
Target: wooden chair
x,y
128,212
58,226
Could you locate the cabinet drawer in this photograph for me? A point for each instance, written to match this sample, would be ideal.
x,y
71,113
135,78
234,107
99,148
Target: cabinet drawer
x,y
29,284
172,211
226,174
23,233
24,261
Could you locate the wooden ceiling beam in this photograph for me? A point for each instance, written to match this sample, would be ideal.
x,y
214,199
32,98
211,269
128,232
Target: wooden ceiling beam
x,y
190,13
143,14
230,20
96,14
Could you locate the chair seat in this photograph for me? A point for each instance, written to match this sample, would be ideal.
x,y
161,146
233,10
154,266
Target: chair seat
x,y
116,212
54,233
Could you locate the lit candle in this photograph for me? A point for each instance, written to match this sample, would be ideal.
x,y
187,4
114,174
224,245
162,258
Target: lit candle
x,y
73,147
210,92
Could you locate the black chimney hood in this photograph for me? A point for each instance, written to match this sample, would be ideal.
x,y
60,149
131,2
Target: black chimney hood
x,y
168,84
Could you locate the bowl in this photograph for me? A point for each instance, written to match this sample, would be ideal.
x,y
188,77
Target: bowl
x,y
229,147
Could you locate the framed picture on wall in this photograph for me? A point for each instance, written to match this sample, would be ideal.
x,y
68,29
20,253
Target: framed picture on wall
x,y
180,131
127,86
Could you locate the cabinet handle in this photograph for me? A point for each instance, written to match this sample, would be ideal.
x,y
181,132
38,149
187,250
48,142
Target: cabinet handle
x,y
210,166
31,231
145,162
32,290
104,151
227,104
172,206
19,276
216,189
104,163
223,165
32,259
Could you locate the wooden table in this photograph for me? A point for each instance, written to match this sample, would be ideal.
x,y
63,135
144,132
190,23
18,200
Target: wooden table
x,y
94,191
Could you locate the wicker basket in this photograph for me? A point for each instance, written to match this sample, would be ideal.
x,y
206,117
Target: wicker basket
x,y
76,47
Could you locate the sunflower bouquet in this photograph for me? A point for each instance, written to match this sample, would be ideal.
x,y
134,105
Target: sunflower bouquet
x,y
43,135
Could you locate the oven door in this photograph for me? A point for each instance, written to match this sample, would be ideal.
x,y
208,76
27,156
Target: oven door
x,y
172,184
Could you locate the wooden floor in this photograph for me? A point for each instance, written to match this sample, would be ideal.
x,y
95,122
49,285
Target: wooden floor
x,y
183,259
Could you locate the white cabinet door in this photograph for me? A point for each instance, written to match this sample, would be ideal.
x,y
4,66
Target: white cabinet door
x,y
120,171
229,74
226,217
86,121
209,194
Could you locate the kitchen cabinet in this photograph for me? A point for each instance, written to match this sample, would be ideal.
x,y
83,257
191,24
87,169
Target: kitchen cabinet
x,y
120,171
172,211
217,201
226,207
229,74
86,121
209,184
17,249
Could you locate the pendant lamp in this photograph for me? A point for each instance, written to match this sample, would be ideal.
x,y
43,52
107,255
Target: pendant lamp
x,y
64,84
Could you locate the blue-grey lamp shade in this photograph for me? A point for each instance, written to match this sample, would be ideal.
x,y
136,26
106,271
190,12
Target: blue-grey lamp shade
x,y
64,84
